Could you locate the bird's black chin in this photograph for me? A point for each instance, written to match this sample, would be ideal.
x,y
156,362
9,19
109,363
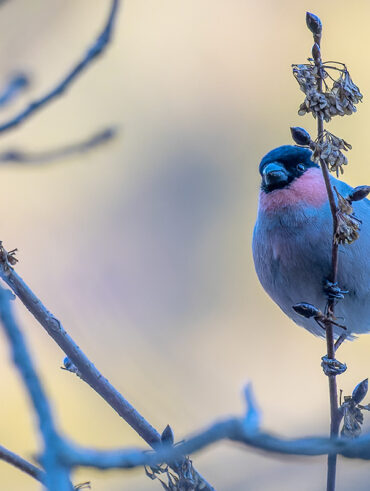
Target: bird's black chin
x,y
274,176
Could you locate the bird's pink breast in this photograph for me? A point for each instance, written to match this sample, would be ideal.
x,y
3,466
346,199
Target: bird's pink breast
x,y
308,189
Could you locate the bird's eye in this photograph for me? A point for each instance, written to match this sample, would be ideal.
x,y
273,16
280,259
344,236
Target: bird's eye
x,y
300,167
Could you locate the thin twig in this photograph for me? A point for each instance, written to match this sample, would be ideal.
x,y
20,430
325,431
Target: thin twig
x,y
93,52
86,368
56,474
333,392
243,430
23,158
21,464
15,86
88,372
233,429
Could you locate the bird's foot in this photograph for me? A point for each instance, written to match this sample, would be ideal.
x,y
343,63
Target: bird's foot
x,y
333,291
332,367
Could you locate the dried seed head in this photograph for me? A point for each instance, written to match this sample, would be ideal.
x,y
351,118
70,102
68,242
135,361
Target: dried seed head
x,y
359,193
347,231
305,76
345,94
338,99
328,149
360,391
300,136
307,310
348,226
313,23
352,420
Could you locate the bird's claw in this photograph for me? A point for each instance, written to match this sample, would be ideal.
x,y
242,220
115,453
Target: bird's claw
x,y
332,367
333,291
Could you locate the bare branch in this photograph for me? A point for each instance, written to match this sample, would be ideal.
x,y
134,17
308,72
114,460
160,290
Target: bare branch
x,y
241,430
93,52
21,464
57,475
15,86
232,429
24,158
87,371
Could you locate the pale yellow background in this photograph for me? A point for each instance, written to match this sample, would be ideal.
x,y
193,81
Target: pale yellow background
x,y
142,248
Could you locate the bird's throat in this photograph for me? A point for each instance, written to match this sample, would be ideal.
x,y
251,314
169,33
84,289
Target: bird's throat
x,y
309,190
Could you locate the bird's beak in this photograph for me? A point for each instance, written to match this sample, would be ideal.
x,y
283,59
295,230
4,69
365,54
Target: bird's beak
x,y
274,173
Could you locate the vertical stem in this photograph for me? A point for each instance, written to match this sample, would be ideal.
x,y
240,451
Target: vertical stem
x,y
333,391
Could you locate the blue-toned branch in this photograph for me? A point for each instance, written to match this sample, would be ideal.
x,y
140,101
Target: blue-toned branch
x,y
87,371
93,52
56,474
26,158
15,86
21,464
244,430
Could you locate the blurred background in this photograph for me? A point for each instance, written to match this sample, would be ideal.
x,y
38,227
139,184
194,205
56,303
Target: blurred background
x,y
143,247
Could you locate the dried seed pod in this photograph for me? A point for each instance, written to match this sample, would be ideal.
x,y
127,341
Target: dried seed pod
x,y
359,193
328,149
352,420
305,75
300,136
348,226
360,391
313,23
338,100
307,310
346,93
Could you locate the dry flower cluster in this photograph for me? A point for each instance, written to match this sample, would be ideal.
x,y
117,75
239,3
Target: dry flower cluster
x,y
184,479
327,147
352,411
337,100
348,226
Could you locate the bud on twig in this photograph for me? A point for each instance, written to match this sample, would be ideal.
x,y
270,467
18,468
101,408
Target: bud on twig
x,y
300,136
167,436
316,54
70,366
360,391
314,23
306,310
358,193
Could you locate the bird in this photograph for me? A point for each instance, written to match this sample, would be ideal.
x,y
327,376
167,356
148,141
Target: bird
x,y
292,242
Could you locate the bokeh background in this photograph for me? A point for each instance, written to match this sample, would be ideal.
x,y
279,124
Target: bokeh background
x,y
142,247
